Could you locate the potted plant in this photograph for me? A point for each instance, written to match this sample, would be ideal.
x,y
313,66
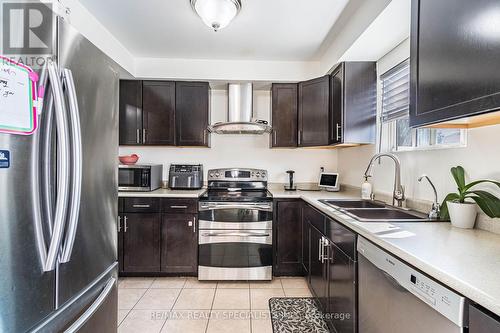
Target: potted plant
x,y
462,212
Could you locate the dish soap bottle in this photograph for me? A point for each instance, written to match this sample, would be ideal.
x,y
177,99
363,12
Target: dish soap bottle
x,y
366,189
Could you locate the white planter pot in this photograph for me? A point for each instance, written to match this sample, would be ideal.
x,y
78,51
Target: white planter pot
x,y
462,215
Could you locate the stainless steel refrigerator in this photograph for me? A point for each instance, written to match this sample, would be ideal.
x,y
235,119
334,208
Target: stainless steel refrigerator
x,y
58,198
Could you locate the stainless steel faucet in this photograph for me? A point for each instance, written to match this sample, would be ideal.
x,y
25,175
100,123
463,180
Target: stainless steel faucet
x,y
436,209
398,194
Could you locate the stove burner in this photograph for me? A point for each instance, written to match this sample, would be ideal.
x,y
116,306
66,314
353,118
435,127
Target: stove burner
x,y
237,184
246,196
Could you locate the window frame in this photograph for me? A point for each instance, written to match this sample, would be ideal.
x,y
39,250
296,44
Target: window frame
x,y
388,129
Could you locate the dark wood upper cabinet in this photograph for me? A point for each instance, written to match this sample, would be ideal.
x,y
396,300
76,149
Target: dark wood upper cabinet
x,y
164,113
192,113
353,101
454,60
179,249
314,111
130,112
288,237
141,242
158,105
284,114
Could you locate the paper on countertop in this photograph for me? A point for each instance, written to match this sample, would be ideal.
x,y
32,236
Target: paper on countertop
x,y
398,234
378,227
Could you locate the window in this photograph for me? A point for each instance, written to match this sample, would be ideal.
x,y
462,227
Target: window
x,y
395,131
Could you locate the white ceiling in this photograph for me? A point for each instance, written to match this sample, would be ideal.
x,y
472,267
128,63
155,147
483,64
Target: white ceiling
x,y
284,30
389,29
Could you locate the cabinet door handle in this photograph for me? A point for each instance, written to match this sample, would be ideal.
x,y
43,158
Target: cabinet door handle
x,y
320,248
204,137
194,224
274,137
324,253
137,136
299,136
178,207
143,135
141,206
119,223
338,131
125,224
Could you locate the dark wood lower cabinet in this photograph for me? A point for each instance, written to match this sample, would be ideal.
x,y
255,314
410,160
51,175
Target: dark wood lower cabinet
x,y
318,278
310,216
332,272
341,305
141,242
288,237
179,243
157,236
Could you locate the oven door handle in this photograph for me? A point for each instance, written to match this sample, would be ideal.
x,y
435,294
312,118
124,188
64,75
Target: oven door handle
x,y
236,206
235,234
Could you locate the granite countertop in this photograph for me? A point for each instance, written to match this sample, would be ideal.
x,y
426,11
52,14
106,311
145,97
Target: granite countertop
x,y
165,193
467,261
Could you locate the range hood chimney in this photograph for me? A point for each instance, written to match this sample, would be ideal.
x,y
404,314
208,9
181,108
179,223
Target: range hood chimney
x,y
240,113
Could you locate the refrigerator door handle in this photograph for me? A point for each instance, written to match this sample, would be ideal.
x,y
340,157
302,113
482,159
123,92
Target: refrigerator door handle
x,y
63,163
76,171
78,324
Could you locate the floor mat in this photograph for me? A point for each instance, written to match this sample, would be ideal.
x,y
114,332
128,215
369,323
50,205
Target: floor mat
x,y
294,315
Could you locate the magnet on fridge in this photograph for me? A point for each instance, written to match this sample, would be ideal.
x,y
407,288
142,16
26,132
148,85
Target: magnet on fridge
x,y
4,159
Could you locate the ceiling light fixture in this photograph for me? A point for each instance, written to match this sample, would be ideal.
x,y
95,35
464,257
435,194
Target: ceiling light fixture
x,y
216,14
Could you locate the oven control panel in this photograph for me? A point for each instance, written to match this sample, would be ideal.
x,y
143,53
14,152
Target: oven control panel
x,y
237,174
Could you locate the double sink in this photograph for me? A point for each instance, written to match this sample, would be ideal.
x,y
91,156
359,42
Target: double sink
x,y
374,211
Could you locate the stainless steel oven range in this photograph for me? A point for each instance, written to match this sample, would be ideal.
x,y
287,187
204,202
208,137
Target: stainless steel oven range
x,y
235,226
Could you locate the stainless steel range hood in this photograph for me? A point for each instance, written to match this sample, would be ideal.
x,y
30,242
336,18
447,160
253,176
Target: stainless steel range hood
x,y
240,113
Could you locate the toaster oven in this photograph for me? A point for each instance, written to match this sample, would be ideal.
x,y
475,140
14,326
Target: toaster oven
x,y
185,176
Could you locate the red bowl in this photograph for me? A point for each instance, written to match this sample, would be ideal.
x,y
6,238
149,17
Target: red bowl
x,y
129,159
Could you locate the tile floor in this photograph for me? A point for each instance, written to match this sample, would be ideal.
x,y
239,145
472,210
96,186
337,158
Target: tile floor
x,y
176,304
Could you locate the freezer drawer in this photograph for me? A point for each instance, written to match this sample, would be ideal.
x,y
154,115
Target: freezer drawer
x,y
95,309
101,315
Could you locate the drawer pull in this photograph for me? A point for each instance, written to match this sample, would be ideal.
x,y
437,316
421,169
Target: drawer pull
x,y
141,206
178,207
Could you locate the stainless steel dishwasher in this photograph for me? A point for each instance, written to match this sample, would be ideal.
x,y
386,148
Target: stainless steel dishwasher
x,y
394,297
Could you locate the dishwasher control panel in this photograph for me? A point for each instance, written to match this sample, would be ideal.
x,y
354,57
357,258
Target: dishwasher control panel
x,y
442,299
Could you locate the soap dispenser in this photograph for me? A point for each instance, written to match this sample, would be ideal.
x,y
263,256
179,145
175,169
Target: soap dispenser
x,y
366,189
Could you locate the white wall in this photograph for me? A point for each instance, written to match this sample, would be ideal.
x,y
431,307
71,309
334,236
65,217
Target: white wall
x,y
240,70
243,150
93,30
356,17
481,157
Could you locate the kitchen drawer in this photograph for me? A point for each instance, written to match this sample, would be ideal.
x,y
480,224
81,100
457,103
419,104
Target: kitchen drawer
x,y
342,237
120,205
180,206
141,205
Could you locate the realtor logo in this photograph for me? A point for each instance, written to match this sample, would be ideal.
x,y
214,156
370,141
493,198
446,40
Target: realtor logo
x,y
27,28
4,159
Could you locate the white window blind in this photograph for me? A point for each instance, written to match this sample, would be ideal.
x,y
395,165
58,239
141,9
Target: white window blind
x,y
396,92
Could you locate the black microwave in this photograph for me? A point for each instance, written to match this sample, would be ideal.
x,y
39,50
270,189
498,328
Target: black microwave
x,y
143,178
